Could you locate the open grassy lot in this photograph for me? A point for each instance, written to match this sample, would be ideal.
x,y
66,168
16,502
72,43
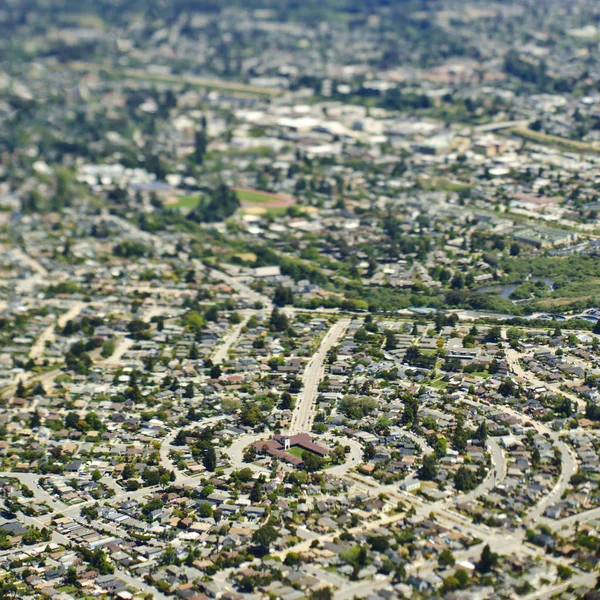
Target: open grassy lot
x,y
296,451
253,197
186,202
554,140
190,80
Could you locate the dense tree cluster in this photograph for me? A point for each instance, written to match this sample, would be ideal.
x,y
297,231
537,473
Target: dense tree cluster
x,y
219,204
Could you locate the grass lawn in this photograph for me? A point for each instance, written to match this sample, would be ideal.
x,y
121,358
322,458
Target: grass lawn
x,y
247,256
254,197
549,303
554,140
187,202
296,451
483,374
67,589
443,184
439,384
201,82
276,211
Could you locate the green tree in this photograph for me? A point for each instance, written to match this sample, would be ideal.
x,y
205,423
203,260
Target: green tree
x,y
482,432
22,392
89,513
94,421
463,578
446,558
200,146
400,572
209,459
459,435
250,454
429,468
256,493
291,559
169,556
287,401
132,485
128,471
278,321
283,296
264,537
251,415
465,480
360,335
487,561
212,313
311,462
441,447
564,572
71,576
391,342
38,389
219,205
108,348
72,420
35,420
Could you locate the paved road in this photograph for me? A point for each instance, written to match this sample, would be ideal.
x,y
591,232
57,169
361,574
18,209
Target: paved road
x,y
501,125
360,590
417,439
166,448
568,469
156,242
331,578
496,475
133,582
241,288
122,346
303,415
568,461
222,351
500,541
512,357
33,264
353,459
38,348
328,537
569,522
235,452
31,481
581,579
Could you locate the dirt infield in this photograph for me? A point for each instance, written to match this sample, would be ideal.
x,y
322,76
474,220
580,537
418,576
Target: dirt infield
x,y
255,198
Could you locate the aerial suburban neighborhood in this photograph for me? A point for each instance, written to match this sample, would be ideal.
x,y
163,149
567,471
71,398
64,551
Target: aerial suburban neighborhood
x,y
299,300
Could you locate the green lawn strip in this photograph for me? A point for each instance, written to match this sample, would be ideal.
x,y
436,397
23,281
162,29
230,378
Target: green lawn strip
x,y
553,140
253,197
188,202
